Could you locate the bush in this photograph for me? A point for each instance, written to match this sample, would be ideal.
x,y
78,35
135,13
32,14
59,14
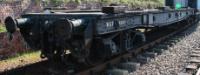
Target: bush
x,y
131,3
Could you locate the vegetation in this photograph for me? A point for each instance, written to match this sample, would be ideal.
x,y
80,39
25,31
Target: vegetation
x,y
20,60
8,0
33,54
130,3
2,28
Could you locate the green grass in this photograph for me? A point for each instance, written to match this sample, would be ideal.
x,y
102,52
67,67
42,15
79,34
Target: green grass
x,y
25,55
2,28
20,60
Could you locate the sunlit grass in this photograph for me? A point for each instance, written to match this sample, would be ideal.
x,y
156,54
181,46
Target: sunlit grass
x,y
2,28
20,60
25,55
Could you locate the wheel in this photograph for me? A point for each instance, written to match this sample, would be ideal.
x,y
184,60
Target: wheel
x,y
140,38
98,52
78,52
54,40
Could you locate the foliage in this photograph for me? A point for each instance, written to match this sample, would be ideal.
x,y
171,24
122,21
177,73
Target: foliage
x,y
37,2
56,2
105,1
130,3
144,3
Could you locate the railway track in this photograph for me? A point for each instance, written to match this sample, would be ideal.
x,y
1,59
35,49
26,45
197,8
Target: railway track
x,y
192,66
118,65
128,62
175,52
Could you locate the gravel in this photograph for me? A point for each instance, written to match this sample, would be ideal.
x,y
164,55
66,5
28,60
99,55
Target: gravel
x,y
173,60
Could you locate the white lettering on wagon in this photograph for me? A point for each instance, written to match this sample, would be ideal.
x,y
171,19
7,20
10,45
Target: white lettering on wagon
x,y
122,22
109,24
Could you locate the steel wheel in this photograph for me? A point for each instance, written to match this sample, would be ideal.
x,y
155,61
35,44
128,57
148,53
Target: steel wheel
x,y
97,53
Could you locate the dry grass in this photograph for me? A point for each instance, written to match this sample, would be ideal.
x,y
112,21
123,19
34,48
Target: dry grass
x,y
20,60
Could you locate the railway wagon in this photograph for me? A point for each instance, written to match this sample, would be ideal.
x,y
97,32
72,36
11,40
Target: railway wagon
x,y
194,4
92,36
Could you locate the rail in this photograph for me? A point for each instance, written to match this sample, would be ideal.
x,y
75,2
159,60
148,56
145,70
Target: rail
x,y
116,60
